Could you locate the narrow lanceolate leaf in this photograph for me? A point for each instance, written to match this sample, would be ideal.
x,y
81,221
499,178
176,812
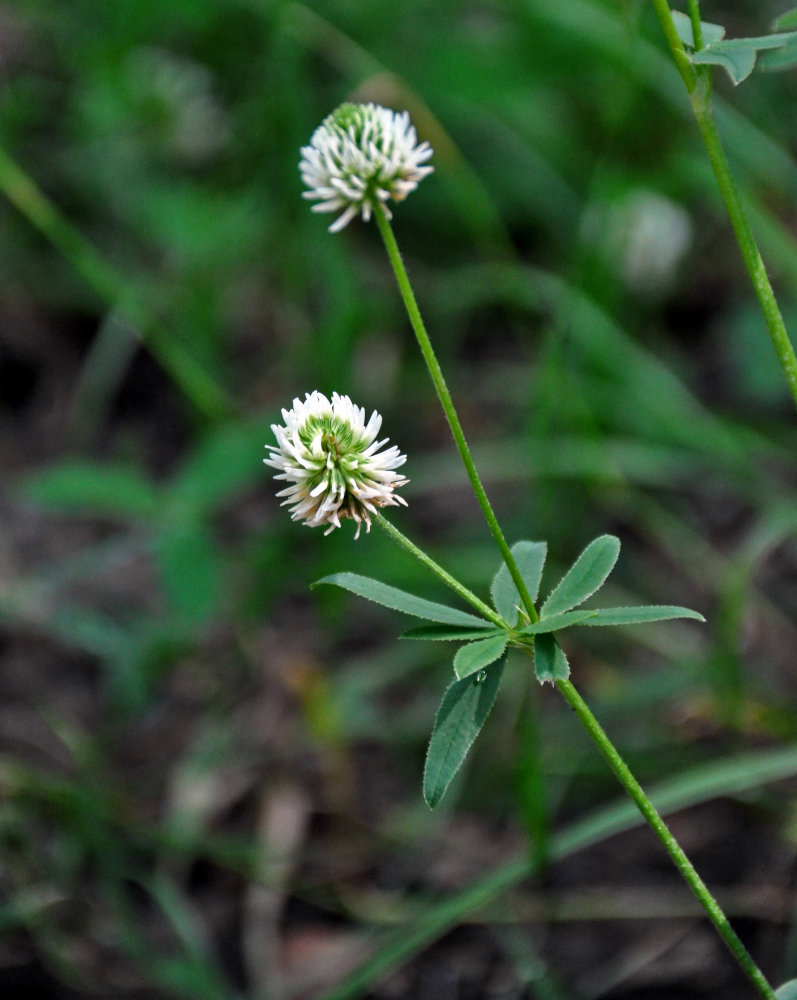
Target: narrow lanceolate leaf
x,y
106,490
399,600
449,632
530,559
584,577
553,623
550,663
786,21
477,655
638,616
462,713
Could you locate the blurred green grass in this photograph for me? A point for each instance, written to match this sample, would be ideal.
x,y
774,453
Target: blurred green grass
x,y
167,673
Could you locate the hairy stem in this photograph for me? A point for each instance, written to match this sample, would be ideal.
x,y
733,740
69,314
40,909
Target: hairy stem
x,y
429,356
450,581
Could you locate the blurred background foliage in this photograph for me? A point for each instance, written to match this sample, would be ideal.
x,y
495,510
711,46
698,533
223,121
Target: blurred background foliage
x,y
211,777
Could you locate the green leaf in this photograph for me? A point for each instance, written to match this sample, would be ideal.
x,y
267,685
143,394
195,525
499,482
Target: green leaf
x,y
552,623
110,490
788,991
683,26
445,632
462,713
737,56
191,570
640,615
786,21
530,559
95,633
476,655
226,461
550,662
584,577
783,58
399,600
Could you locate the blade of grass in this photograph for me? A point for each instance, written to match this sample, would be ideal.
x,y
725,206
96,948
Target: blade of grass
x,y
197,384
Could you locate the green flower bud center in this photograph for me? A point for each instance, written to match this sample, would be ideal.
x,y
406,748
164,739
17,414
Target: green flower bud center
x,y
349,116
339,461
330,445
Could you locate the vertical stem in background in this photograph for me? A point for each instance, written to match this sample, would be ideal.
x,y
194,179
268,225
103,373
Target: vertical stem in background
x,y
697,29
447,403
698,84
659,827
745,238
682,61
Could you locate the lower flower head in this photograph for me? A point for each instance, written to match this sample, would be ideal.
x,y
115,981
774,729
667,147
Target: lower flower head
x,y
361,156
332,462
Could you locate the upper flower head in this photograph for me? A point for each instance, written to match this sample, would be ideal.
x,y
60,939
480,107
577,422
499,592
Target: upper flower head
x,y
330,458
359,157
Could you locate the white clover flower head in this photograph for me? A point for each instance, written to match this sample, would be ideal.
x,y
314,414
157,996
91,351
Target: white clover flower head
x,y
333,464
361,156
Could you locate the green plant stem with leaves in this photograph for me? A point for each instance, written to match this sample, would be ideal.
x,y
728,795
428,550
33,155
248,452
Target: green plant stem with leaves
x,y
324,444
697,79
571,695
565,686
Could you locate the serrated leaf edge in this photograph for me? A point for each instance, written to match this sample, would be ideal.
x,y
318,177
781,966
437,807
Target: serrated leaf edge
x,y
432,805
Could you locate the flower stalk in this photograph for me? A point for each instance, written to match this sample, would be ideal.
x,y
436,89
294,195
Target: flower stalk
x,y
409,546
443,394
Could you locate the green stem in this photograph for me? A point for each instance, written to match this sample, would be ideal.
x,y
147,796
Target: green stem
x,y
697,30
682,61
659,827
745,238
447,403
566,688
698,84
438,570
29,199
621,770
